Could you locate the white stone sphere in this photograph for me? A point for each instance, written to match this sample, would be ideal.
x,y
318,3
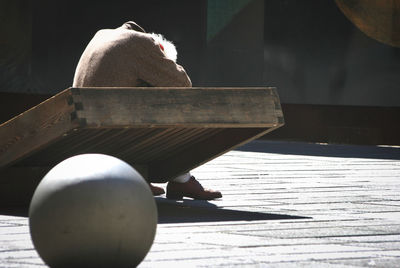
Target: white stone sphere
x,y
92,210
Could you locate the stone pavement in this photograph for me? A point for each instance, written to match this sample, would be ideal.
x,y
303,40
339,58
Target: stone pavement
x,y
284,205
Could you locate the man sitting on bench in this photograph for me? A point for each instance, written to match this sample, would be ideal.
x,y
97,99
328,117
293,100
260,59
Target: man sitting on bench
x,y
129,57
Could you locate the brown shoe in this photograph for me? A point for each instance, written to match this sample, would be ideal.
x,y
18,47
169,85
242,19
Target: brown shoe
x,y
156,190
192,189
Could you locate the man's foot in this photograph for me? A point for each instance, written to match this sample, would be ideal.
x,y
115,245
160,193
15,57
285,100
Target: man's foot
x,y
192,189
156,190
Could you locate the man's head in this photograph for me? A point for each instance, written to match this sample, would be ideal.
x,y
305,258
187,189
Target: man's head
x,y
166,46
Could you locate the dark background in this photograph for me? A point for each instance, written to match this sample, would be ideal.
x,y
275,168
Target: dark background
x,y
336,84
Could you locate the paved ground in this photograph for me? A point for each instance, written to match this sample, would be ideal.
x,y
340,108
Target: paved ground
x,y
284,205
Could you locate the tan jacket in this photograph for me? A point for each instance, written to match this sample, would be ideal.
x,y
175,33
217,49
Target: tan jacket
x,y
124,57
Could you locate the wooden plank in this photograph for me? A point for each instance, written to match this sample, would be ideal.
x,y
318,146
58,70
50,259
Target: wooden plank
x,y
180,107
144,149
202,152
33,129
176,142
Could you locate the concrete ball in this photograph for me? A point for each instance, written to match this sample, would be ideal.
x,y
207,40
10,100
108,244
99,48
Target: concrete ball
x,y
92,210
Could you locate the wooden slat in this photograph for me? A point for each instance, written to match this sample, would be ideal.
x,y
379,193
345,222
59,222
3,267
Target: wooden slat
x,y
198,153
178,107
143,151
35,128
175,143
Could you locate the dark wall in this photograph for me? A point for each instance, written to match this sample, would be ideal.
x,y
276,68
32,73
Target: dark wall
x,y
308,49
233,55
15,45
43,40
214,51
315,55
62,29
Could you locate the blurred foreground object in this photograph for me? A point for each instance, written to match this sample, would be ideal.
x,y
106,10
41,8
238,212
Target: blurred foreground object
x,y
378,19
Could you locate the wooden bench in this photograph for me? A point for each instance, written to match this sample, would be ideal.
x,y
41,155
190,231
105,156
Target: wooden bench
x,y
162,132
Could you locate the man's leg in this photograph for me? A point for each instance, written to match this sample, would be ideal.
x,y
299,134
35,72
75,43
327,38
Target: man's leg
x,y
186,185
156,190
183,178
180,179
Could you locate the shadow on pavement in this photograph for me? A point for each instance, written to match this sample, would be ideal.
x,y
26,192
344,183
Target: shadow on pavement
x,y
329,150
170,211
14,211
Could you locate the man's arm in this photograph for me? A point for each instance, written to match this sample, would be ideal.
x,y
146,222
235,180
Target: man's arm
x,y
154,68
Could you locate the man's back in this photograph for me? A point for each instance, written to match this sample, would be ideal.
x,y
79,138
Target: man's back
x,y
127,58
